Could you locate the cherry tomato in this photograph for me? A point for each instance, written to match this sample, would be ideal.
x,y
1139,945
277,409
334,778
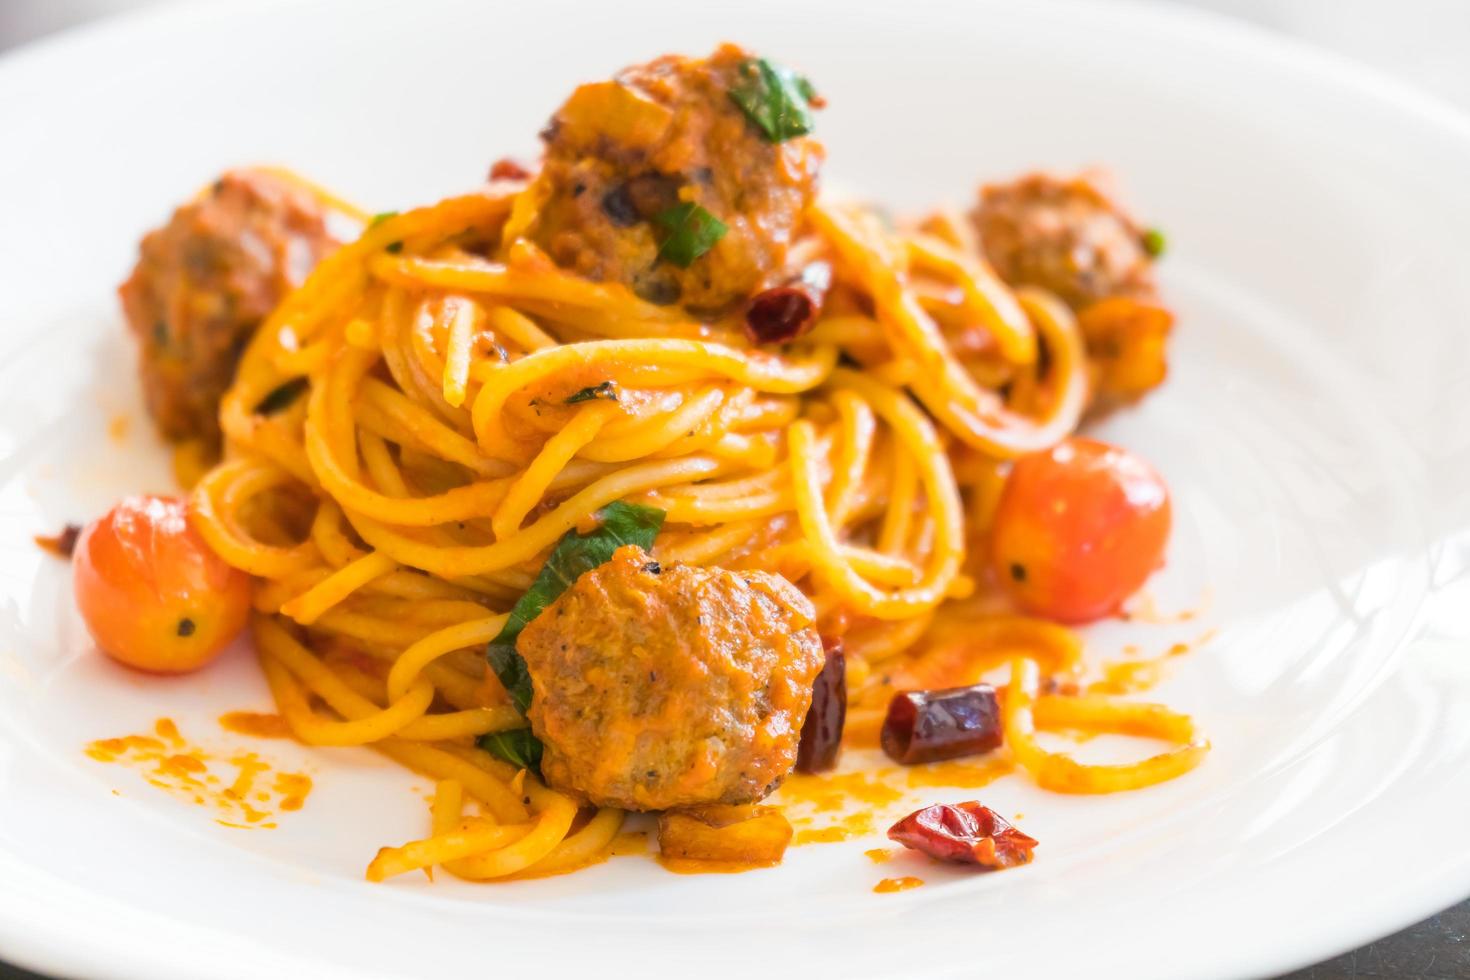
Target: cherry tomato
x,y
153,595
1078,529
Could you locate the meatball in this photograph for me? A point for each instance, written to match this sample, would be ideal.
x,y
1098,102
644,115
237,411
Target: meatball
x,y
206,280
621,154
667,687
1064,235
1070,237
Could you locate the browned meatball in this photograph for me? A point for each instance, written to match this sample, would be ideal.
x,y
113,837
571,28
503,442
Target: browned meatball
x,y
1070,237
621,153
206,280
1064,235
666,687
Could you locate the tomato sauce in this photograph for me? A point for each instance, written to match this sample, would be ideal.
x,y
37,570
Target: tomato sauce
x,y
232,785
255,724
630,842
1132,676
690,866
897,884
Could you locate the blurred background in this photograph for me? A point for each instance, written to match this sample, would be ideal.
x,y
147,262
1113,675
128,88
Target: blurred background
x,y
1421,41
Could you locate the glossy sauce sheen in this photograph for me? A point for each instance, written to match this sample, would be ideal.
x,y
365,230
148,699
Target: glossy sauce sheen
x,y
689,866
897,884
255,723
856,824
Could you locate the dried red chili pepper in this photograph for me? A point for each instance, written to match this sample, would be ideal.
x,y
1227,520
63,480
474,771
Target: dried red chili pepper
x,y
783,313
821,733
507,169
964,833
927,726
63,544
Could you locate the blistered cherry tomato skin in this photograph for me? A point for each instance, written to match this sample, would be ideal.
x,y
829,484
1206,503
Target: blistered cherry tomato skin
x,y
1078,529
152,593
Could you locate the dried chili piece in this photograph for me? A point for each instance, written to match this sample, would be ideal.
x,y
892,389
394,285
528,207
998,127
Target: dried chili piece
x,y
927,726
964,833
783,313
507,168
63,544
821,733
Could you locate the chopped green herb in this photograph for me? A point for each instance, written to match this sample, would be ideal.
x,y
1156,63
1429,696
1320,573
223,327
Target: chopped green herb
x,y
607,390
393,248
381,217
775,99
186,627
281,396
518,747
1154,242
689,232
622,523
510,669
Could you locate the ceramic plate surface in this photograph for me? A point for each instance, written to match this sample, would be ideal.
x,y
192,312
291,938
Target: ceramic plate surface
x,y
1314,430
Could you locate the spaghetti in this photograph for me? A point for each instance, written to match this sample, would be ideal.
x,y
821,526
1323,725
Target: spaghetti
x,y
462,400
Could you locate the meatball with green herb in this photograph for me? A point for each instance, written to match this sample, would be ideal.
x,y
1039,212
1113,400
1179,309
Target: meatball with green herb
x,y
683,178
1070,236
206,280
659,687
1067,235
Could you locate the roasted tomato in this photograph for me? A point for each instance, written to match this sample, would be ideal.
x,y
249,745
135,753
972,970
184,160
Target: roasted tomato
x,y
1078,529
153,595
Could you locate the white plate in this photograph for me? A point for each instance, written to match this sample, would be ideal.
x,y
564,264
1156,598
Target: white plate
x,y
1315,431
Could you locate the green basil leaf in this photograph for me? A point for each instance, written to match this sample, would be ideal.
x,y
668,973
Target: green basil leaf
x,y
689,232
607,390
281,396
622,523
1154,242
381,217
774,99
510,668
518,747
